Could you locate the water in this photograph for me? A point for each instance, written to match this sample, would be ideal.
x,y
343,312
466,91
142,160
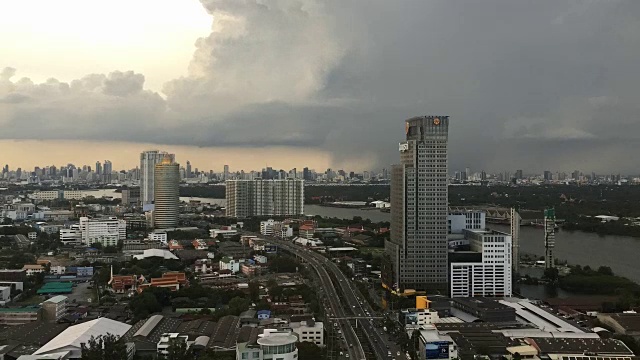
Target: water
x,y
111,192
617,252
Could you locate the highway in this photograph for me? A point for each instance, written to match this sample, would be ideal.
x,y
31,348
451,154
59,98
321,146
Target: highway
x,y
355,302
337,310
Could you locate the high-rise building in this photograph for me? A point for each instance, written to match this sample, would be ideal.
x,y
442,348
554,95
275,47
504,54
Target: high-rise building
x,y
549,238
260,197
547,175
107,168
188,170
166,194
225,174
98,168
419,208
148,161
519,175
515,240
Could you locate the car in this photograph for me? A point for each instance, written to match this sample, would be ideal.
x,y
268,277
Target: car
x,y
398,353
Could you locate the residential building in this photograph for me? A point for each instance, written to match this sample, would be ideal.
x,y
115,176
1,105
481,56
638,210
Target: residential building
x,y
199,244
32,235
203,266
55,308
20,315
166,194
5,294
419,209
491,276
73,194
131,196
250,269
307,231
148,161
276,228
272,344
106,231
167,339
226,233
309,331
259,197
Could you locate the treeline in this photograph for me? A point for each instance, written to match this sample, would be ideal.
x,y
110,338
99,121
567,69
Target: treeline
x,y
320,194
205,191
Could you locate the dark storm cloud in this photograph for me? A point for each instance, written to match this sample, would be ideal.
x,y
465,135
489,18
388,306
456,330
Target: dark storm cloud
x,y
527,84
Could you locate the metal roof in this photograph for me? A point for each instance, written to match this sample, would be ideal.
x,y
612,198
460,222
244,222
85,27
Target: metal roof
x,y
74,336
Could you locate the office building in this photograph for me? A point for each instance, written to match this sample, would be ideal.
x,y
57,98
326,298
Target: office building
x,y
260,197
491,275
131,196
187,170
309,331
419,209
166,194
106,231
148,161
71,236
272,344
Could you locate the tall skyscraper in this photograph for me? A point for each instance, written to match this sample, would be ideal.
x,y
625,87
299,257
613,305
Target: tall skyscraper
x,y
260,197
188,170
166,194
419,206
107,168
148,161
515,240
225,175
549,238
98,168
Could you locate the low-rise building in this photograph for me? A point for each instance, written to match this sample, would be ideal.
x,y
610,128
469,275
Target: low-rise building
x,y
32,269
204,266
5,294
71,236
168,339
199,244
106,231
272,344
307,231
55,308
158,236
309,331
227,263
170,280
32,235
20,315
226,233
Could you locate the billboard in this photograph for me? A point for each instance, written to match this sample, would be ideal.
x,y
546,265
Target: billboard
x,y
271,248
437,350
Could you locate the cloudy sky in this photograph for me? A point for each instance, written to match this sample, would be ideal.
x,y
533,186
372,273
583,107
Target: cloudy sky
x,y
550,84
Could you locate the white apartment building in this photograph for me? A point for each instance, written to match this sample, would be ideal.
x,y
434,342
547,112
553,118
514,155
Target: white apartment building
x,y
106,231
167,339
259,197
272,344
489,277
309,331
71,236
32,269
466,220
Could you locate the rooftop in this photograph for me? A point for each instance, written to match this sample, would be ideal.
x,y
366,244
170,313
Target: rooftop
x,y
37,333
580,345
75,335
629,322
57,299
481,303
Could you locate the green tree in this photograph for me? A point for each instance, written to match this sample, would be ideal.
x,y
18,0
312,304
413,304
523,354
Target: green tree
x,y
309,351
104,347
254,291
238,305
177,349
551,274
605,270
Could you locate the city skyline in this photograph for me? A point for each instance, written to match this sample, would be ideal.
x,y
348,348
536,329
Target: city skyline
x,y
520,94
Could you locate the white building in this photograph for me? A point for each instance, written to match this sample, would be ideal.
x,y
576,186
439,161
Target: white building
x,y
32,269
271,345
160,237
106,231
74,336
491,276
309,331
71,236
276,228
419,318
167,339
225,233
5,294
459,221
307,242
260,259
32,235
227,263
260,197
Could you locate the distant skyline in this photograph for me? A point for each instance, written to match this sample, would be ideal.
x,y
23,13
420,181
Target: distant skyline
x,y
525,83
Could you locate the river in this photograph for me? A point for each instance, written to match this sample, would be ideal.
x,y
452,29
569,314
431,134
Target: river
x,y
617,252
116,195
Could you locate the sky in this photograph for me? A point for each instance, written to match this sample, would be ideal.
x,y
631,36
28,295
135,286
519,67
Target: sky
x,y
533,85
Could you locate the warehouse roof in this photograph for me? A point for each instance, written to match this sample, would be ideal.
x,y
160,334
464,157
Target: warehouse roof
x,y
78,334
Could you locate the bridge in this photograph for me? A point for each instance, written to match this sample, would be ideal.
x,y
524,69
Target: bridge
x,y
499,215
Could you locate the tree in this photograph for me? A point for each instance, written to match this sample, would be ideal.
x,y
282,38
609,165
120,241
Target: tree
x,y
254,291
238,305
309,351
605,270
104,347
177,349
551,274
